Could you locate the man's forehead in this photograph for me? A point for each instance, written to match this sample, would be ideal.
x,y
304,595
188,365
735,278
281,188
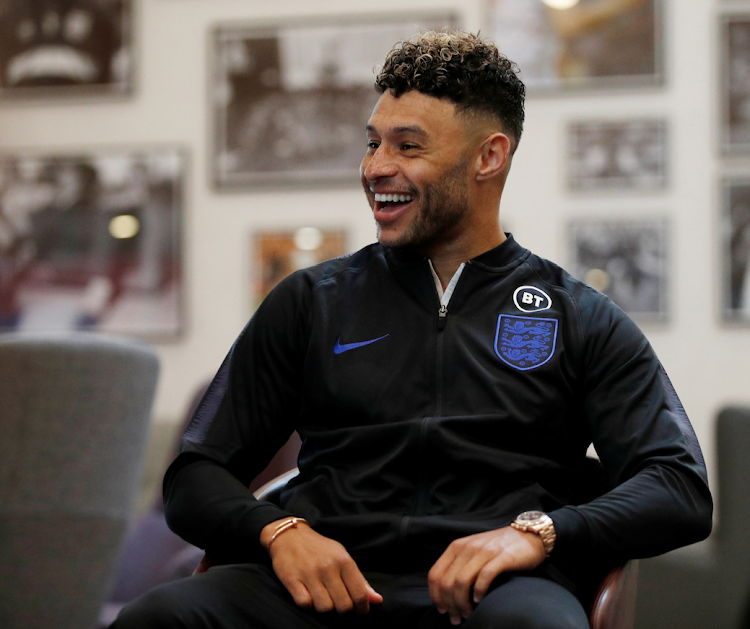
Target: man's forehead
x,y
411,112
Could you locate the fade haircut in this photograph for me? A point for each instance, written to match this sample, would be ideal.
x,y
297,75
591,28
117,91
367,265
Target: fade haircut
x,y
463,68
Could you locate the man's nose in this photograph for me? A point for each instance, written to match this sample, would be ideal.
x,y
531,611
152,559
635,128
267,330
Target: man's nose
x,y
378,165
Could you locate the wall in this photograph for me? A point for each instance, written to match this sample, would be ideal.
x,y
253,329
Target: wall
x,y
708,363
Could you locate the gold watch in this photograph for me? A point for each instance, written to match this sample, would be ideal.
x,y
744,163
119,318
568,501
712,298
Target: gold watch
x,y
540,523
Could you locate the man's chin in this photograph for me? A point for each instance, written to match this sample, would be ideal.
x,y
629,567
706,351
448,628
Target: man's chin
x,y
394,241
399,241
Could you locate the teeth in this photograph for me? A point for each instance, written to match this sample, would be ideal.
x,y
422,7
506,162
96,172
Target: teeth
x,y
391,198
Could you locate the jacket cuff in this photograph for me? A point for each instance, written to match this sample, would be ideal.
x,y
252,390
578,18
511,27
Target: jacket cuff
x,y
260,516
571,529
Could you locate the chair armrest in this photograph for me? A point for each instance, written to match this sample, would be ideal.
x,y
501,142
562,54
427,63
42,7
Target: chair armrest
x,y
271,491
614,603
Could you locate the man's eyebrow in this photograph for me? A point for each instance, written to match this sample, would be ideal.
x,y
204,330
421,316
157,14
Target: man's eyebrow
x,y
413,129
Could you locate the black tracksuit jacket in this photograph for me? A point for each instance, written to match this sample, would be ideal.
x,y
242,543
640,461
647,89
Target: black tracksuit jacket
x,y
420,426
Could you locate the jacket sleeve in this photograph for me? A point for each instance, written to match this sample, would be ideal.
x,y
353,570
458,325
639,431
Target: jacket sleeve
x,y
659,497
247,414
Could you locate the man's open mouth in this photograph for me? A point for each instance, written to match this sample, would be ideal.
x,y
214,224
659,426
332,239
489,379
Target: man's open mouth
x,y
384,201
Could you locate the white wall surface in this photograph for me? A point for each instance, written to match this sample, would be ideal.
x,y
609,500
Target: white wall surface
x,y
708,363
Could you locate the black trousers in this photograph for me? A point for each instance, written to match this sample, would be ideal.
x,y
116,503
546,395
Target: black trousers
x,y
249,596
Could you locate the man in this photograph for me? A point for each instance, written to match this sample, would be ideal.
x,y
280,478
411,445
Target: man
x,y
445,382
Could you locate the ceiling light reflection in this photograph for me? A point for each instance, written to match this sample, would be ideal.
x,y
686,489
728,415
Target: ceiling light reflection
x,y
560,4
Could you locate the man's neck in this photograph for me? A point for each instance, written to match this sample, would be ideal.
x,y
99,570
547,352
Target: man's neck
x,y
447,258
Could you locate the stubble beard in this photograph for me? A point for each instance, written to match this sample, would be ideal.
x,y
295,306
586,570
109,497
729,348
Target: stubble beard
x,y
442,207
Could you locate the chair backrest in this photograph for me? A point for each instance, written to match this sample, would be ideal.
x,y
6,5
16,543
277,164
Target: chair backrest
x,y
74,413
732,439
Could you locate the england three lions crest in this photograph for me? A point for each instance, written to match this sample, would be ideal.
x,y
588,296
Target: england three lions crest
x,y
525,342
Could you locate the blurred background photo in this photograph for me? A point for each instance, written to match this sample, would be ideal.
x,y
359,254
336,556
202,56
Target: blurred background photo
x,y
91,242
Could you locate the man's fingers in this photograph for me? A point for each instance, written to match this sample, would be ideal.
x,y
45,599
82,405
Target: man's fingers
x,y
441,579
486,576
360,591
456,583
435,581
300,594
321,597
374,597
462,582
342,600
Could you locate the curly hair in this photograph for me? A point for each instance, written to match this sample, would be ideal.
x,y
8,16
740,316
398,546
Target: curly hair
x,y
462,67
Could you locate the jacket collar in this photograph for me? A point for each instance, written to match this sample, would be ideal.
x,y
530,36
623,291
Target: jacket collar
x,y
504,254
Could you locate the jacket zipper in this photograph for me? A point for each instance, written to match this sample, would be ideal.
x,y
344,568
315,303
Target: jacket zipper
x,y
423,429
442,315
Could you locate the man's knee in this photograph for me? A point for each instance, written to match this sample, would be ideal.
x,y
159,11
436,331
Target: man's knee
x,y
525,602
533,618
161,608
244,595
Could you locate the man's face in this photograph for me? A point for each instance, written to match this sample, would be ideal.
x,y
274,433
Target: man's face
x,y
416,170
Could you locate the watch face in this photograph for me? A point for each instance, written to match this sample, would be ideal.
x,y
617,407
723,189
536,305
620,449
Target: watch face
x,y
527,517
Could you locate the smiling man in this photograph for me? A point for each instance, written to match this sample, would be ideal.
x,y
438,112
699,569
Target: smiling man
x,y
446,384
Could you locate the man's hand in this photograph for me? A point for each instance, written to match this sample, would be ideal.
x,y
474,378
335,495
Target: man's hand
x,y
318,571
476,560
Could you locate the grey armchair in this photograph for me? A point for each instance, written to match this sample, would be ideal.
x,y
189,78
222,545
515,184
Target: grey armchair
x,y
74,413
706,585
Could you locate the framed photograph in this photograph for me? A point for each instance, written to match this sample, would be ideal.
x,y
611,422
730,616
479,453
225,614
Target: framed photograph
x,y
736,251
561,44
65,47
91,241
617,155
290,101
735,88
279,253
624,259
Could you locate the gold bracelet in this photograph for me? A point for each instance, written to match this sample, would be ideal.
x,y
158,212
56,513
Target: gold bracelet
x,y
289,523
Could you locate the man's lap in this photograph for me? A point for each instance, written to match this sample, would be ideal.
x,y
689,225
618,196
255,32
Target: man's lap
x,y
249,596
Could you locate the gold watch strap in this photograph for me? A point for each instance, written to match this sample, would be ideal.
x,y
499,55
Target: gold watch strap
x,y
543,527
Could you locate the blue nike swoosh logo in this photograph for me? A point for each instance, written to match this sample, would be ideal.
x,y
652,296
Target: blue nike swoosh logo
x,y
340,347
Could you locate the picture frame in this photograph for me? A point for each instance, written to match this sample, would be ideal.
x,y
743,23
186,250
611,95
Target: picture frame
x,y
735,83
735,250
92,240
626,259
290,99
66,48
278,253
582,44
617,155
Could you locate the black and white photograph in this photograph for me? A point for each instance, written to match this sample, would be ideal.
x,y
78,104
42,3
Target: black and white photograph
x,y
91,241
65,47
624,259
617,155
561,44
290,102
736,251
735,89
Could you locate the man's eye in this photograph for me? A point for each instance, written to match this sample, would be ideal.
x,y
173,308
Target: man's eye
x,y
372,145
407,147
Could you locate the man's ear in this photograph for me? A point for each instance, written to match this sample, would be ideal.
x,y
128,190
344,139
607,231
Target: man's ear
x,y
493,157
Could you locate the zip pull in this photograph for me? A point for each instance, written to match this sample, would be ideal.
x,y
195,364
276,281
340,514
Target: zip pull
x,y
442,316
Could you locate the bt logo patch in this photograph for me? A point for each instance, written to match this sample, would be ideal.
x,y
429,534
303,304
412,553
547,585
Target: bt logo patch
x,y
531,299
